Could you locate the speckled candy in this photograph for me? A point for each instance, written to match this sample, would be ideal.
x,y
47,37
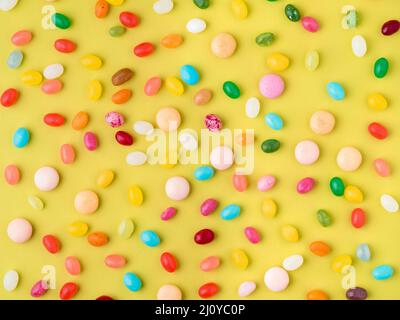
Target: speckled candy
x,y
114,119
213,122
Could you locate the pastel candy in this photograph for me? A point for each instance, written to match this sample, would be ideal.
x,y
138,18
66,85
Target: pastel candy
x,y
276,279
271,86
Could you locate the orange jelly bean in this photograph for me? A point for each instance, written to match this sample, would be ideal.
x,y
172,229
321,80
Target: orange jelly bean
x,y
67,153
152,86
240,182
319,248
382,167
115,261
80,121
97,239
121,96
210,263
172,41
101,9
12,175
317,295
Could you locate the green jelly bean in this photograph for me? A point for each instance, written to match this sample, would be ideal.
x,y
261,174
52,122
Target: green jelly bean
x,y
292,13
231,89
202,4
116,31
61,21
324,218
381,67
265,39
270,145
337,186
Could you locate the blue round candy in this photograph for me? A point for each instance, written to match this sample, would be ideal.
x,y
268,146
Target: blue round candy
x,y
21,137
132,281
189,75
363,253
274,121
15,59
150,238
335,90
204,173
230,212
382,272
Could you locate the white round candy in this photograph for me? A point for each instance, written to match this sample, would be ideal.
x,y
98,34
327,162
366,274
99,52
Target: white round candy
x,y
136,158
389,203
143,128
196,25
293,262
7,5
46,179
10,280
163,6
221,157
177,188
252,107
276,279
188,141
359,46
53,71
246,288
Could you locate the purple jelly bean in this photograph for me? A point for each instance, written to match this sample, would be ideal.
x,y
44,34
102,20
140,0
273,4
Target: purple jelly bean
x,y
208,207
252,235
356,293
90,140
39,289
305,185
168,213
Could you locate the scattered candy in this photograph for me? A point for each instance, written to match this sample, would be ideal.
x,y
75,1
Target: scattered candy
x,y
276,279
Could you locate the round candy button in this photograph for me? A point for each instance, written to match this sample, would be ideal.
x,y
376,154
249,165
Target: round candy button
x,y
223,45
177,188
307,152
271,86
168,119
322,122
46,179
349,159
19,230
86,202
169,292
221,157
276,279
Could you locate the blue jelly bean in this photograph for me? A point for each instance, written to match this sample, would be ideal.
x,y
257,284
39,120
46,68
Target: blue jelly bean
x,y
132,281
204,173
274,121
21,137
230,212
335,90
382,272
363,252
189,75
15,59
150,238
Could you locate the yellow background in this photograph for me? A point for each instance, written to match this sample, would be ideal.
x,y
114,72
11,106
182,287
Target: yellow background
x,y
305,93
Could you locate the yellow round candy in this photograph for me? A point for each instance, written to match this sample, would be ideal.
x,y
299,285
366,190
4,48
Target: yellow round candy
x,y
135,195
378,102
126,228
91,61
115,2
239,9
290,233
269,208
105,179
31,78
341,262
95,90
353,194
277,62
78,229
174,86
240,259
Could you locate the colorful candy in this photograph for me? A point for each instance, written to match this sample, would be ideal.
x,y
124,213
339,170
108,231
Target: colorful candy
x,y
208,290
9,97
204,236
356,293
271,86
189,75
168,262
97,239
208,207
143,49
274,121
359,46
389,203
292,13
21,38
252,235
204,173
86,202
46,178
382,272
293,262
230,212
390,27
210,263
306,152
349,159
305,185
196,25
377,130
381,67
358,218
10,280
231,89
115,261
276,279
129,19
121,76
15,59
310,24
72,265
51,243
335,90
19,230
265,39
150,238
246,288
12,174
169,292
324,218
240,259
363,252
270,145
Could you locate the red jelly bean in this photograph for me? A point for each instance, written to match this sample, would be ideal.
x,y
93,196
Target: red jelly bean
x,y
51,243
68,291
377,130
358,218
204,236
104,298
54,119
168,262
144,49
124,138
390,27
9,97
208,290
129,19
65,46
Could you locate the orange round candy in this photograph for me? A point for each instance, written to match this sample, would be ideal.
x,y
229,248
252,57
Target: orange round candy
x,y
80,121
172,41
121,96
317,295
97,239
319,248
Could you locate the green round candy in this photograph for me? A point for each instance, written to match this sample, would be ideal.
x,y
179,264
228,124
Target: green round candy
x,y
116,31
270,145
202,4
381,67
292,13
324,218
231,89
61,21
265,39
337,186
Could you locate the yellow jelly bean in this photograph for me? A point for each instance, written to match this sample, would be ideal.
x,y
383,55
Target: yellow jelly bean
x,y
36,203
277,62
126,228
95,90
31,77
78,229
174,86
92,62
341,262
353,194
378,102
312,60
135,195
240,259
239,8
105,179
269,208
290,233
115,2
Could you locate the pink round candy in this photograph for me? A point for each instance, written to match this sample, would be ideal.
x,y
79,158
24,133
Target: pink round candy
x,y
177,188
271,86
73,265
252,235
266,183
114,119
208,207
52,86
39,289
46,179
305,185
212,122
168,213
306,152
310,24
90,141
382,167
19,230
221,157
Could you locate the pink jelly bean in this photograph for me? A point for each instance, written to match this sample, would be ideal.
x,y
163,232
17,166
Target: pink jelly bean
x,y
266,183
67,153
114,119
252,235
310,24
152,86
208,207
90,140
271,86
12,174
305,185
168,213
210,263
115,261
52,86
72,265
39,289
240,182
382,167
21,38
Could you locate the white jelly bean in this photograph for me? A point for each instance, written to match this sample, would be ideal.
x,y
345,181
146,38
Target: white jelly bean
x,y
359,46
188,141
389,203
293,262
252,107
196,25
7,5
163,6
246,288
53,71
10,280
143,128
136,158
